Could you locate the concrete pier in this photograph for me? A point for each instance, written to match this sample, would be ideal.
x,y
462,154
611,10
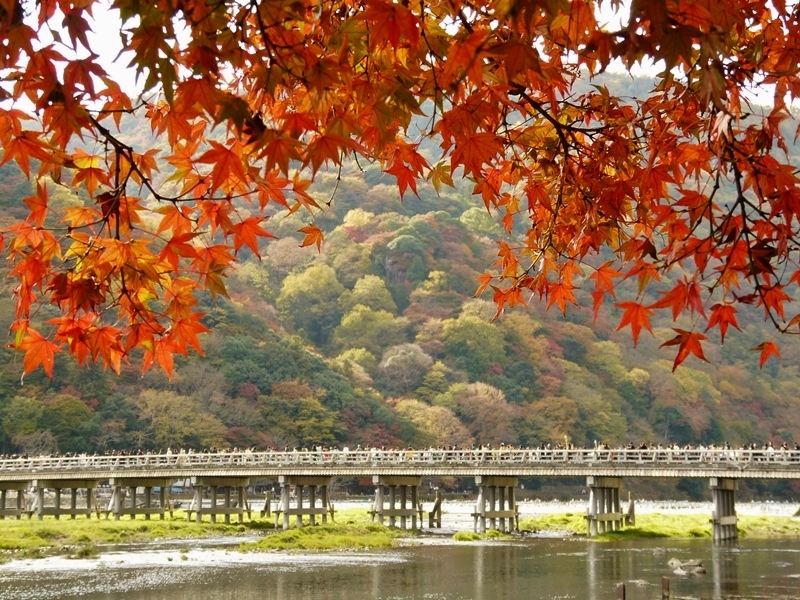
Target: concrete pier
x,y
723,517
117,504
604,512
58,485
496,506
212,484
12,486
402,488
318,487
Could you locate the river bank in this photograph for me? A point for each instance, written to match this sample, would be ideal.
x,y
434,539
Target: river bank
x,y
86,538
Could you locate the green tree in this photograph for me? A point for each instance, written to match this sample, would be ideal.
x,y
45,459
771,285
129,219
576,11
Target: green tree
x,y
71,422
369,291
178,421
480,222
374,330
475,344
309,302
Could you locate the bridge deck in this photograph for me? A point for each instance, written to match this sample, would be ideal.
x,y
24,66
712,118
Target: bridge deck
x,y
739,464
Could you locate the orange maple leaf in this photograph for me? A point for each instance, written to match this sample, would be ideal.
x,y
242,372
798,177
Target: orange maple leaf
x,y
247,233
560,292
476,151
313,235
38,351
37,205
636,315
688,342
723,315
767,349
229,172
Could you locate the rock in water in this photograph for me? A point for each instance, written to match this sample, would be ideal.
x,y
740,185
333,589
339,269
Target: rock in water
x,y
674,563
694,562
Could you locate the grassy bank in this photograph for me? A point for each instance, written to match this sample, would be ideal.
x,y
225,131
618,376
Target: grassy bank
x,y
363,536
667,526
80,537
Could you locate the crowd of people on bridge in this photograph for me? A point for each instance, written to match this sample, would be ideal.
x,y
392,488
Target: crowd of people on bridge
x,y
544,451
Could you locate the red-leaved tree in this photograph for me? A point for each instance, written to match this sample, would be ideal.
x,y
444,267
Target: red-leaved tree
x,y
255,97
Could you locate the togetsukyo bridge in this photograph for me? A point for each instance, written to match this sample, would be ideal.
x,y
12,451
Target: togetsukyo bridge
x,y
496,474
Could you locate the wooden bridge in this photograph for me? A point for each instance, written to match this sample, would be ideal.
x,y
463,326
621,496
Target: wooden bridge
x,y
496,473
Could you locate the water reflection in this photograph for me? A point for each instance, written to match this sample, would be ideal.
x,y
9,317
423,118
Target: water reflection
x,y
533,569
725,563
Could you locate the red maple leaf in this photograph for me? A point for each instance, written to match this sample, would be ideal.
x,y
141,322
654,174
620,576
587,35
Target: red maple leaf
x,y
767,350
247,233
38,351
636,315
688,342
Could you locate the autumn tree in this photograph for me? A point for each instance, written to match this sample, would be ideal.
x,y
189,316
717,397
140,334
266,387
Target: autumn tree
x,y
249,100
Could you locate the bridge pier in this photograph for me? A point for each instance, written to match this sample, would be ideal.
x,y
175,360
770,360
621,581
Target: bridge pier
x,y
9,486
496,502
57,485
228,484
117,502
723,517
604,512
404,511
315,484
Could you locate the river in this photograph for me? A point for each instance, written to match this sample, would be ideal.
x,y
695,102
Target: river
x,y
538,568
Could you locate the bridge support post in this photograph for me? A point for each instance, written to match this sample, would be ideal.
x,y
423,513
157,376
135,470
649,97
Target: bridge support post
x,y
120,484
604,512
317,488
64,484
404,482
9,486
200,484
723,517
496,502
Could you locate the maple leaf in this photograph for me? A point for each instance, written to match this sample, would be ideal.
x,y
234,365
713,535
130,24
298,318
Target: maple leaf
x,y
485,280
89,171
313,235
38,205
476,151
38,351
688,342
159,351
773,298
636,315
560,293
247,232
767,349
405,178
229,172
722,315
185,332
24,147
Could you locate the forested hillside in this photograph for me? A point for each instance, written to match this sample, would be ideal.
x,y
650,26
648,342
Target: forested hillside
x,y
377,340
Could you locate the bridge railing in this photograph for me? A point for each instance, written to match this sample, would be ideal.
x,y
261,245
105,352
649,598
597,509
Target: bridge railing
x,y
393,458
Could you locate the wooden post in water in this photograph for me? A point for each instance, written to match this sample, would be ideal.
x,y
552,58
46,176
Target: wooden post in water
x,y
318,486
723,517
492,488
604,513
621,591
665,588
5,487
398,503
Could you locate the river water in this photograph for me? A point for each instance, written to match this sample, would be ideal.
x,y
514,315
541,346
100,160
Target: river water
x,y
539,568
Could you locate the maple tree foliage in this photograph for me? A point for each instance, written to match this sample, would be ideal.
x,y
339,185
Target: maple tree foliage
x,y
300,86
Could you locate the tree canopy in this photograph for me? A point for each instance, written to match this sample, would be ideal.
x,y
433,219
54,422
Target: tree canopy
x,y
690,186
